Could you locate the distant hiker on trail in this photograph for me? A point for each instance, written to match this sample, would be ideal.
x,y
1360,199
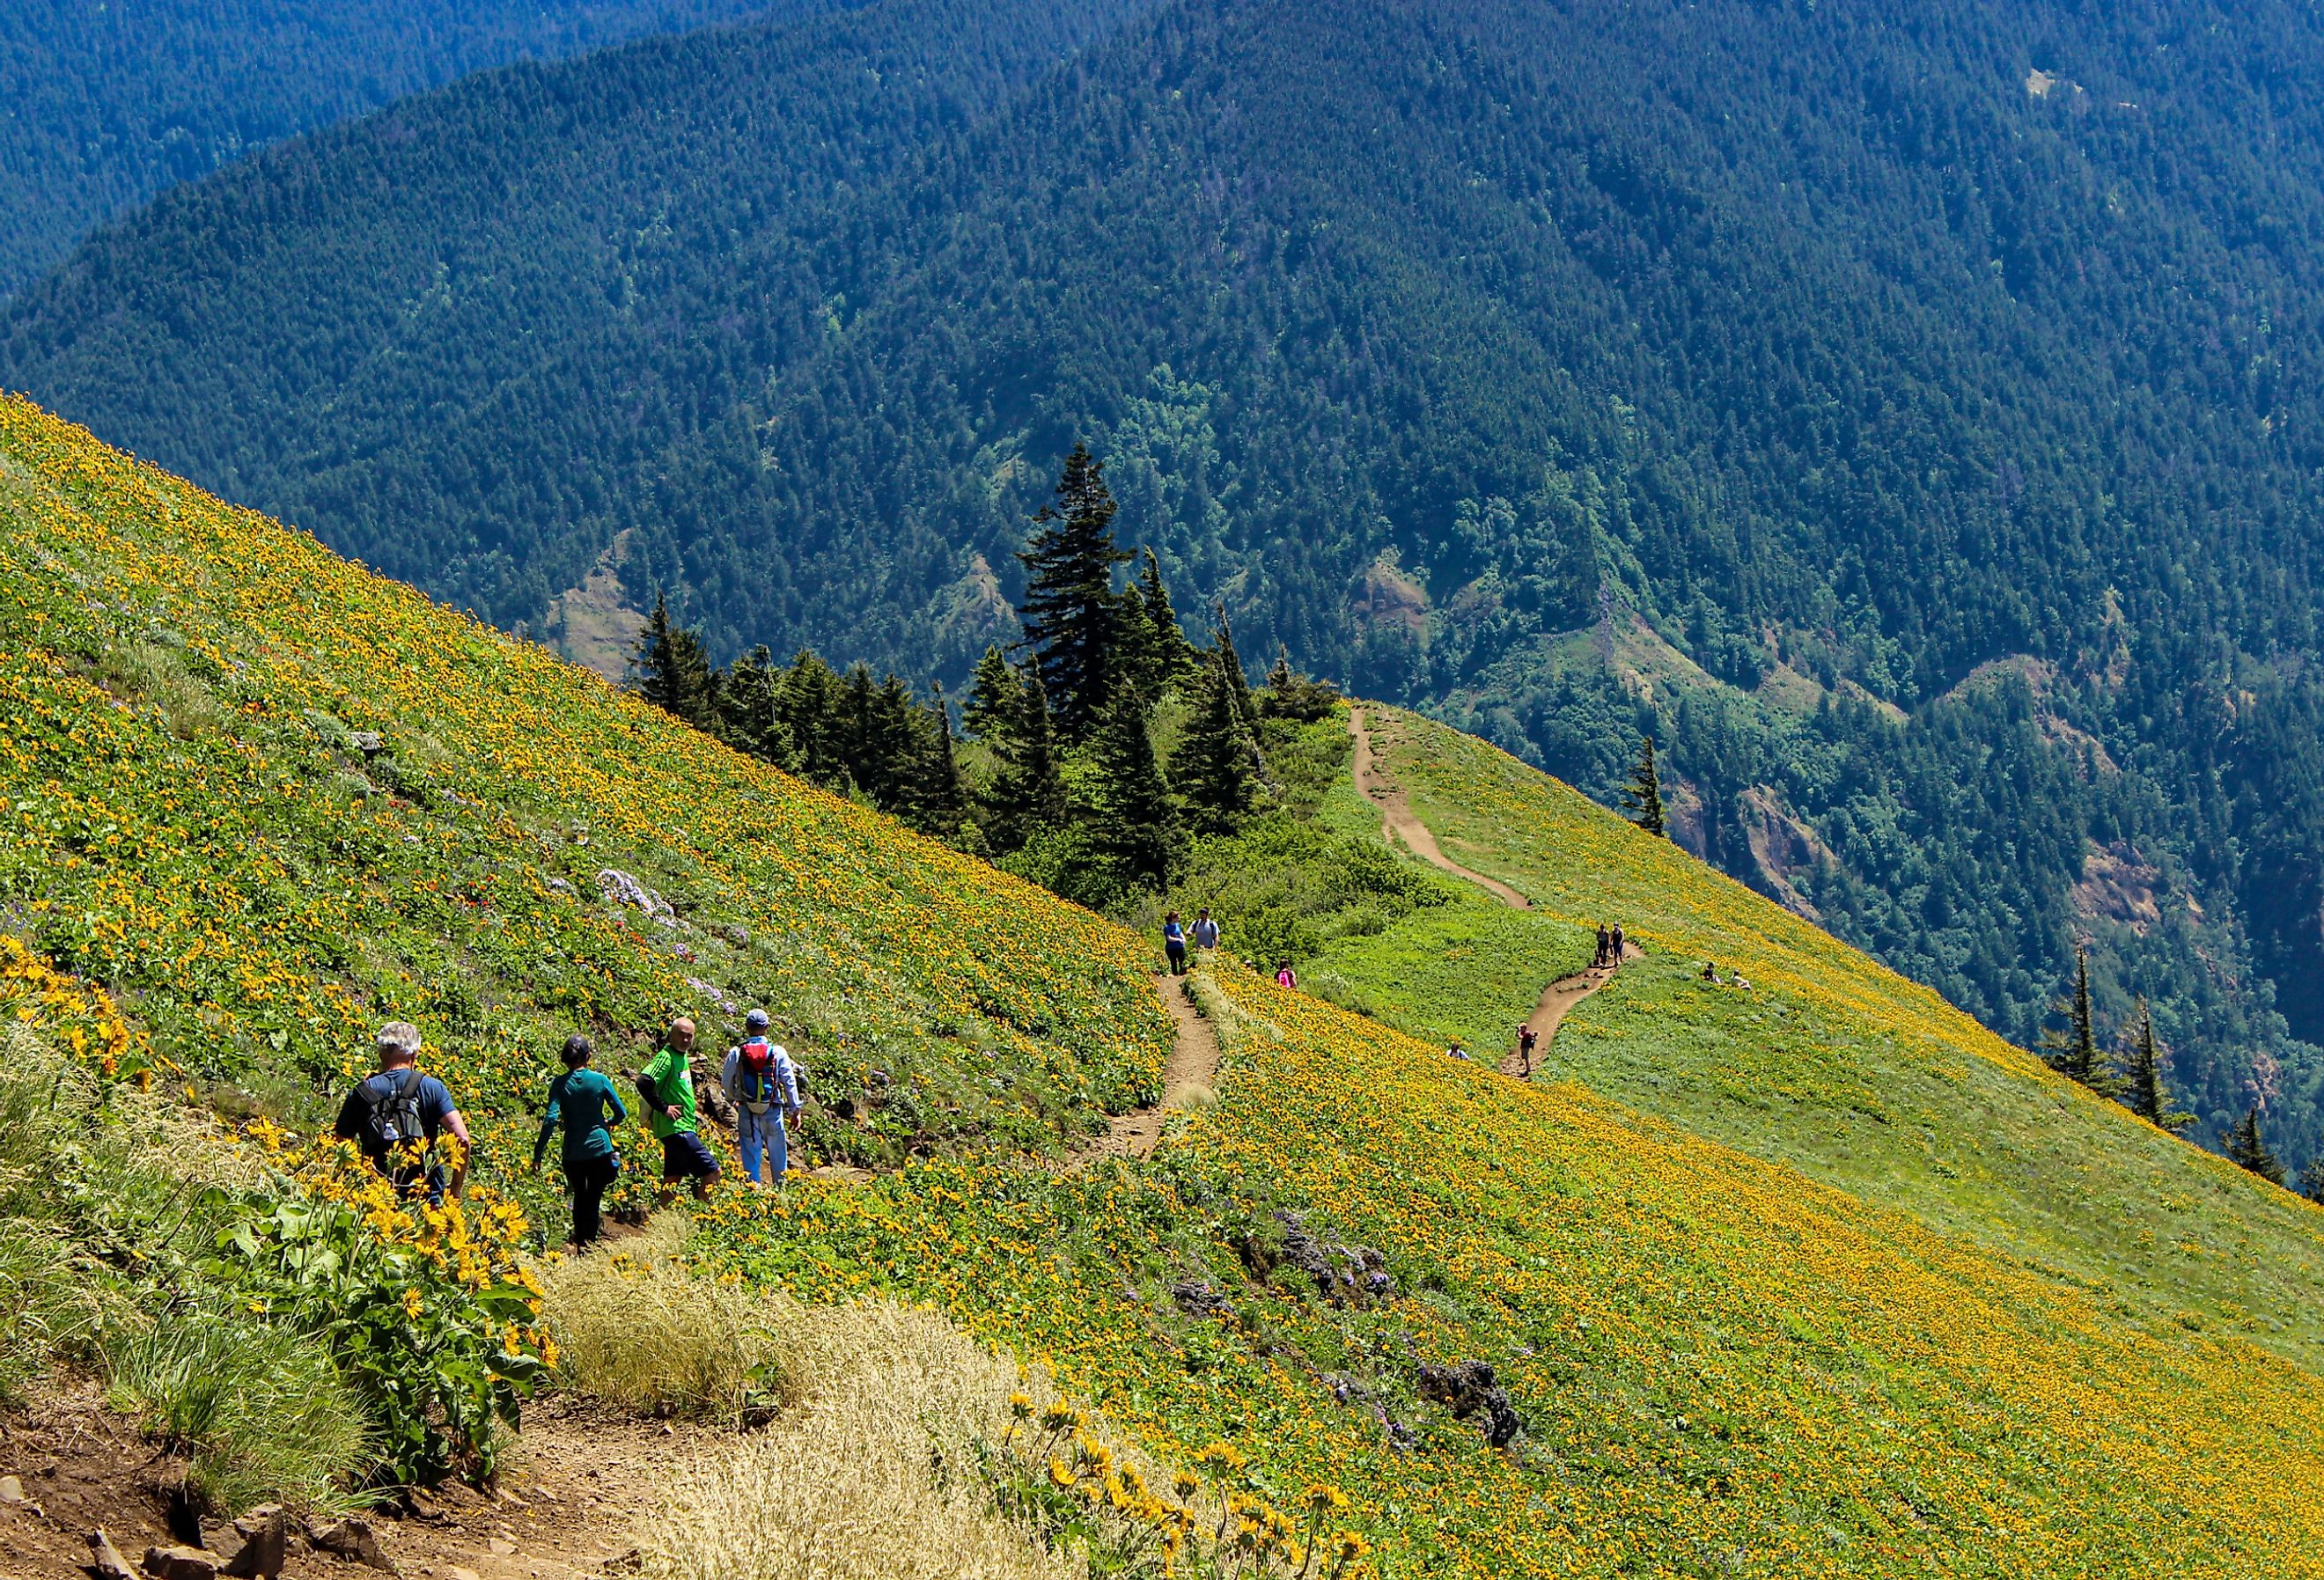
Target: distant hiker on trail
x,y
1456,1050
1605,946
667,1085
1615,938
1284,976
585,1104
763,1082
1174,944
399,1108
1206,931
1527,1037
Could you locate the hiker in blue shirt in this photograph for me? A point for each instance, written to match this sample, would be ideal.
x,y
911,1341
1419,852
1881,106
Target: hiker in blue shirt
x,y
1206,930
588,1108
395,1114
1174,944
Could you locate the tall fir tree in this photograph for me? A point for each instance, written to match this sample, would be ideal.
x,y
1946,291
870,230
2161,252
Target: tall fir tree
x,y
1644,798
1170,658
2142,1091
1028,792
939,797
2076,1054
1222,647
2246,1148
1070,608
2312,1179
673,672
994,694
1212,766
810,709
746,703
1132,822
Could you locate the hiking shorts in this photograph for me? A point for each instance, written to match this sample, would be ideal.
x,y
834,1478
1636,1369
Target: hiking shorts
x,y
687,1156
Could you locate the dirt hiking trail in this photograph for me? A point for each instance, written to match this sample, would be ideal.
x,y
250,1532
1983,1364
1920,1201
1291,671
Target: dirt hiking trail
x,y
1398,822
1189,1073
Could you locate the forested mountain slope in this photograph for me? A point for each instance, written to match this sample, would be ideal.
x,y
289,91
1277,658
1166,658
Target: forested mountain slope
x,y
1905,417
1717,1364
107,105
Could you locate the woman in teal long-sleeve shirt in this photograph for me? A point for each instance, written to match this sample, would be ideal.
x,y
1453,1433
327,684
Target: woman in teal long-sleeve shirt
x,y
589,1108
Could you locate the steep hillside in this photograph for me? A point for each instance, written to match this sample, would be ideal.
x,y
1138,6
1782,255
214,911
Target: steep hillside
x,y
1719,1365
1831,351
111,104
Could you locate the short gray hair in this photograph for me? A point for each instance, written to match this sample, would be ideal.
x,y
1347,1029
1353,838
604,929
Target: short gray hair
x,y
399,1037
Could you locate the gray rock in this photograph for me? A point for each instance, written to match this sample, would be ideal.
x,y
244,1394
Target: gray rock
x,y
622,889
353,1539
367,741
12,1491
265,1544
106,1558
1199,1299
180,1564
1469,1388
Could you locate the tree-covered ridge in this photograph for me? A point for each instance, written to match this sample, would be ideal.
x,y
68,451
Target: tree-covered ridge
x,y
1843,355
111,104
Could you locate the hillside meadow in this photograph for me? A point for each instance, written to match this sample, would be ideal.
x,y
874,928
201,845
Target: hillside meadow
x,y
1723,1363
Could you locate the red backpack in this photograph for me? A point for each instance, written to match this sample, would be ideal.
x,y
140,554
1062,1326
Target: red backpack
x,y
754,1074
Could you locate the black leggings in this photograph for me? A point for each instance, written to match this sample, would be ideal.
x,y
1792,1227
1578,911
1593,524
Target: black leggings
x,y
589,1179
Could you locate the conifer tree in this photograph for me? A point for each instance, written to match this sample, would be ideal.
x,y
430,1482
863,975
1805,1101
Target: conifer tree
x,y
2076,1054
673,672
1131,820
939,797
1029,793
1070,609
2312,1179
1223,645
993,694
809,706
1294,696
1170,656
2245,1147
2143,1092
1644,798
746,702
1212,767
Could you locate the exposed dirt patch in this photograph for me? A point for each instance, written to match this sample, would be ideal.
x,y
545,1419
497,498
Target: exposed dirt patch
x,y
1192,1069
2118,885
574,1491
595,624
1398,822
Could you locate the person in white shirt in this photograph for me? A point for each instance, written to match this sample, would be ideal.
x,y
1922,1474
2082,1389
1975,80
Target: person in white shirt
x,y
761,1079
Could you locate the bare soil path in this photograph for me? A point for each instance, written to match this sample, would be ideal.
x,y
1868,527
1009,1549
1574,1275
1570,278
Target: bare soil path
x,y
1189,1073
1398,822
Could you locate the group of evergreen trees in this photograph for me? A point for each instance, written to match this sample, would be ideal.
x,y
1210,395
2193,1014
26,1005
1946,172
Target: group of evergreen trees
x,y
2134,1080
1067,724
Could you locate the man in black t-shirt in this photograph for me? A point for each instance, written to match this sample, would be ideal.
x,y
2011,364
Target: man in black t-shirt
x,y
397,1107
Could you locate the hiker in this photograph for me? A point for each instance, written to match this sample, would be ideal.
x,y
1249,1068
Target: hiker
x,y
1456,1050
1740,980
588,1108
1527,1037
1605,946
1206,930
760,1078
1174,944
1284,976
397,1107
667,1085
1615,939
1709,971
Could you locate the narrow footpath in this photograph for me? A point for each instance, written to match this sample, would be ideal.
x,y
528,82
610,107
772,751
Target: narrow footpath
x,y
1188,1075
1398,822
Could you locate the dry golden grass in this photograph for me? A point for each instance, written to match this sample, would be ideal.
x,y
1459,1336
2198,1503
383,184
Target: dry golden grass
x,y
637,1328
870,1477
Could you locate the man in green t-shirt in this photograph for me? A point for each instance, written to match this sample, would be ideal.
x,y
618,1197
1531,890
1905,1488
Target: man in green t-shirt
x,y
667,1085
588,1108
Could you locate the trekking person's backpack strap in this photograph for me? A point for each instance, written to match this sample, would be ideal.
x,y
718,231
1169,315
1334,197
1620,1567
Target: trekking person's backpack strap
x,y
391,1112
757,1084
